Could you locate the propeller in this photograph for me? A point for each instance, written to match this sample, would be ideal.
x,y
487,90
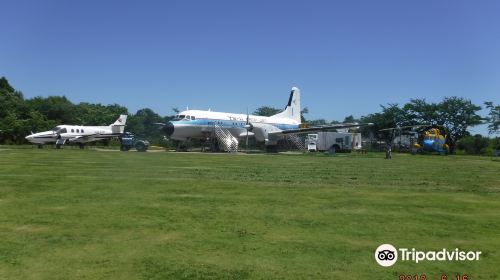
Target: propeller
x,y
160,123
248,127
161,126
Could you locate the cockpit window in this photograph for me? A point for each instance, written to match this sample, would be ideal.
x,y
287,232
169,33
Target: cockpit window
x,y
59,130
183,117
193,118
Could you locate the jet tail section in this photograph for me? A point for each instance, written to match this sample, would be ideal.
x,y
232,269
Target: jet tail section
x,y
292,109
119,125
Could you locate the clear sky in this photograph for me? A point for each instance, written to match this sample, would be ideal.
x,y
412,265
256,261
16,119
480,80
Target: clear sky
x,y
347,57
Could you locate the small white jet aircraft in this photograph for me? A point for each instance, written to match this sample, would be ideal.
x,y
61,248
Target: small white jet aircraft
x,y
197,124
63,134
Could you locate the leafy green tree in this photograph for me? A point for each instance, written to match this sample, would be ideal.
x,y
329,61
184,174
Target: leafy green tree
x,y
57,108
4,85
266,111
473,145
14,114
493,118
302,113
350,119
391,116
143,124
457,114
98,114
317,122
419,112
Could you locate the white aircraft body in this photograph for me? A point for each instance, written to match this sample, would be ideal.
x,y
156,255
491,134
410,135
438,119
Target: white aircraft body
x,y
63,134
199,124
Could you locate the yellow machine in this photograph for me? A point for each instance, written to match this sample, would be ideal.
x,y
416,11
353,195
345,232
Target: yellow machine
x,y
433,140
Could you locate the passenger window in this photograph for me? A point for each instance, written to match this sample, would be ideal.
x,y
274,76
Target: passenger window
x,y
72,130
193,118
77,130
82,130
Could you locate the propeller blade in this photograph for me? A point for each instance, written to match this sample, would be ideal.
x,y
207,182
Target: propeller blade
x,y
248,125
246,142
247,128
248,116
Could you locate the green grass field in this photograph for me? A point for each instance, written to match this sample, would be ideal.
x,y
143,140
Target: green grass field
x,y
71,214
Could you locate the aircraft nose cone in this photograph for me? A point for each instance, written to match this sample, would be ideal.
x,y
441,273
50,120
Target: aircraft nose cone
x,y
169,129
29,137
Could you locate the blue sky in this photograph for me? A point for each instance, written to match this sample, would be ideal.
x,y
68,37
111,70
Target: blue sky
x,y
347,57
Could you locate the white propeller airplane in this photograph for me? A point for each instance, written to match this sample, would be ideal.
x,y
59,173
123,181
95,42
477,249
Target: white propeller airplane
x,y
63,134
197,124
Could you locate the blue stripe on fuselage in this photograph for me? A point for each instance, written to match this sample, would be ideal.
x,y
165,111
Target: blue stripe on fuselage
x,y
229,123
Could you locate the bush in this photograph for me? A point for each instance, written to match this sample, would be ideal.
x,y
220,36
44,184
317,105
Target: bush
x,y
474,145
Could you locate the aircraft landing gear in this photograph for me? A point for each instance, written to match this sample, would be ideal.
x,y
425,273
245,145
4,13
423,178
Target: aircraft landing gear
x,y
82,146
184,146
271,148
40,146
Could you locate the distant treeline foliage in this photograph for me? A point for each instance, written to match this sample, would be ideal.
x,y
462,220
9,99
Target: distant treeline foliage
x,y
478,145
19,117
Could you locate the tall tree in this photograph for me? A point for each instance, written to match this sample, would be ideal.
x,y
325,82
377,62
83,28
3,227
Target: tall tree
x,y
391,116
57,108
419,112
457,114
14,114
493,118
4,84
143,124
302,113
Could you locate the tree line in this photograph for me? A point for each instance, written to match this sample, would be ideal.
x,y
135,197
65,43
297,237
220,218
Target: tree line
x,y
19,116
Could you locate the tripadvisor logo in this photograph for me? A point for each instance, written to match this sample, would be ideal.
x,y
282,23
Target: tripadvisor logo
x,y
387,255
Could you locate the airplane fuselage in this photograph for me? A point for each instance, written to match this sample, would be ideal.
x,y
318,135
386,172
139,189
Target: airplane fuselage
x,y
199,124
76,134
62,134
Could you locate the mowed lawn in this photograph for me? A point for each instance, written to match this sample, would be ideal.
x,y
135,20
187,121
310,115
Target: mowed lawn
x,y
71,214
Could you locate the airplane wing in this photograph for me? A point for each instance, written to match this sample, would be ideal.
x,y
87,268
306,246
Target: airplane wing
x,y
317,128
81,138
244,134
92,137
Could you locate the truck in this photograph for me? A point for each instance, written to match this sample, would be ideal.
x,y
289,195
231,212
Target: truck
x,y
129,141
333,142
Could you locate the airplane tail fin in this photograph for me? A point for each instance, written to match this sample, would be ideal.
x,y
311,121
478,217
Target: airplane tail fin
x,y
292,109
119,125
